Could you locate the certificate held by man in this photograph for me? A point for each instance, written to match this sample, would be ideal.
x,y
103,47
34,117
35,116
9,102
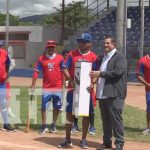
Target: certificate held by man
x,y
81,96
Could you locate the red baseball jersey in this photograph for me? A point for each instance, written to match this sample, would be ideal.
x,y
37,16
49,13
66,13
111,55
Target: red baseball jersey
x,y
51,68
143,68
76,55
4,60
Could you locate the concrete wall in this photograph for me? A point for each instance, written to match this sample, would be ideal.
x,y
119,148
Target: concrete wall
x,y
33,51
35,46
20,63
52,33
35,34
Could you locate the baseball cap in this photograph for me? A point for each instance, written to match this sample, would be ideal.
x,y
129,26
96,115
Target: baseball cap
x,y
51,43
85,37
1,43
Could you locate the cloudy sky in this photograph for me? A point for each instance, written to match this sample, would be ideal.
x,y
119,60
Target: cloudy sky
x,y
35,7
31,7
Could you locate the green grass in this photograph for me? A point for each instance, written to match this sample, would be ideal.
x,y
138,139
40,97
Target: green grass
x,y
134,119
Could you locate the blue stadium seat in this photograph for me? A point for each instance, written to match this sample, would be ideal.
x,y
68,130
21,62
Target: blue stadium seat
x,y
107,26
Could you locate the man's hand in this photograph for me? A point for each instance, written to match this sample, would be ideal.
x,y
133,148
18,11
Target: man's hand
x,y
32,88
90,88
148,85
72,83
94,74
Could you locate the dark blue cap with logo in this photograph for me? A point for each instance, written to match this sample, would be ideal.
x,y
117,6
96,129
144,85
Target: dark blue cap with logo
x,y
85,37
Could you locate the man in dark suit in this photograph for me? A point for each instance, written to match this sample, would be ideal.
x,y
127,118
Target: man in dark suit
x,y
111,92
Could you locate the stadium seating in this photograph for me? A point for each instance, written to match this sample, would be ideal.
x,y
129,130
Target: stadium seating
x,y
106,26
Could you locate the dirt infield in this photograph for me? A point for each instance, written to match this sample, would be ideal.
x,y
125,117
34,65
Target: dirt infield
x,y
34,141
136,95
17,81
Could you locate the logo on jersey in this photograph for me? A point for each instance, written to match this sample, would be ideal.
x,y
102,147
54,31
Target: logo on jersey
x,y
82,59
50,66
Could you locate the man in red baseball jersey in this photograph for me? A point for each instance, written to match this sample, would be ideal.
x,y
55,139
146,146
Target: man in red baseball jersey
x,y
52,67
143,75
4,68
82,54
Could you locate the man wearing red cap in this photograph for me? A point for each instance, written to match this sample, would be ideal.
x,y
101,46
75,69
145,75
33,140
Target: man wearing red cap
x,y
52,67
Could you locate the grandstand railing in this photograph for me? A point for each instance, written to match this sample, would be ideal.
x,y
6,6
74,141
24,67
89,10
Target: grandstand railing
x,y
92,12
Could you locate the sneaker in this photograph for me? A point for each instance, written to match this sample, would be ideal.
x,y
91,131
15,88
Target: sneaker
x,y
8,127
104,146
43,129
10,114
74,128
52,128
65,144
119,147
92,130
83,144
146,131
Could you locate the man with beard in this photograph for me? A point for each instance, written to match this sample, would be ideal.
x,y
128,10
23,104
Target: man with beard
x,y
84,53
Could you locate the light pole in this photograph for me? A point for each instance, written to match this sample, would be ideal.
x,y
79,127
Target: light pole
x,y
125,28
63,21
120,25
7,24
142,29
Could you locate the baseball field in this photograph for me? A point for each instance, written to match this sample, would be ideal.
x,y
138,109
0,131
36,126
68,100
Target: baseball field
x,y
134,119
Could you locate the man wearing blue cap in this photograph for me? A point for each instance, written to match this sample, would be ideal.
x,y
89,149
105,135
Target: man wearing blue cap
x,y
83,53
